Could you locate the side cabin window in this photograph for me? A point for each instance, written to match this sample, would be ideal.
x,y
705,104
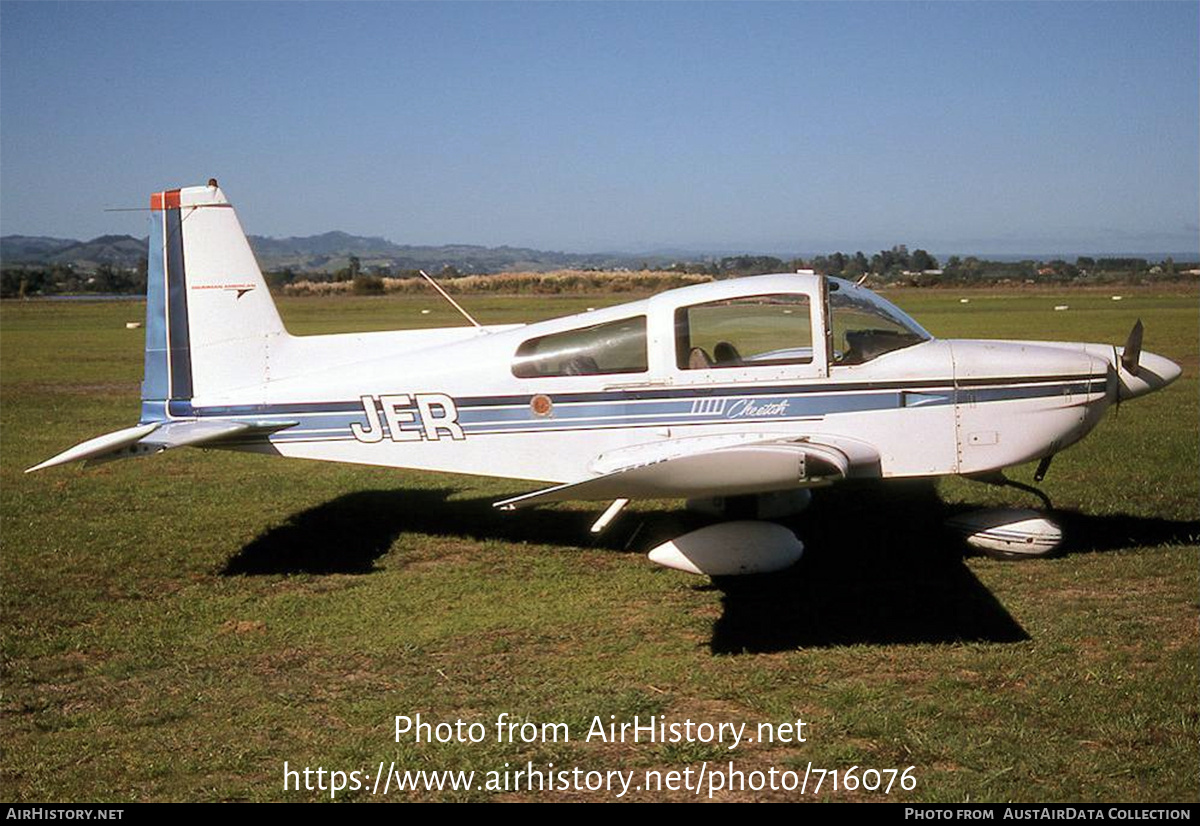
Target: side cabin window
x,y
613,347
744,332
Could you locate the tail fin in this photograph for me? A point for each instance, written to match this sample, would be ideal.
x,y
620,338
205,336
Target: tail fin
x,y
210,320
210,329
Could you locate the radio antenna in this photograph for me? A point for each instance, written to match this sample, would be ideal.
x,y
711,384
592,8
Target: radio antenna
x,y
446,296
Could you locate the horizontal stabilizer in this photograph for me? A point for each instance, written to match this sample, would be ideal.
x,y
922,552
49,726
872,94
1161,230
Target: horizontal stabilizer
x,y
159,436
206,431
100,446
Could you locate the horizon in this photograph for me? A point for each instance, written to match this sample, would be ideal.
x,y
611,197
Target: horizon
x,y
1000,128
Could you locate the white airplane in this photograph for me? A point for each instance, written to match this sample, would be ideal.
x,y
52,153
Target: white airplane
x,y
737,395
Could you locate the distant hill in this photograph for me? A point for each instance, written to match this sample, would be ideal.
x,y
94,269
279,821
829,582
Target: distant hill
x,y
326,252
332,250
120,251
326,244
21,249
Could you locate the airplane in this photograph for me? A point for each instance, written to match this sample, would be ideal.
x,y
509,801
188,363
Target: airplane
x,y
738,396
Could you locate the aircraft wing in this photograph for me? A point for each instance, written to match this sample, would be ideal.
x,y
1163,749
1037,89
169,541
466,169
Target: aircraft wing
x,y
714,466
156,437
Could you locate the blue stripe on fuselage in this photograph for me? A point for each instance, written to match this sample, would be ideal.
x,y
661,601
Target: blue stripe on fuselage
x,y
725,405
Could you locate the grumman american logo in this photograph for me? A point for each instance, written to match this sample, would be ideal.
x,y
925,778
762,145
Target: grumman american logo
x,y
425,416
240,288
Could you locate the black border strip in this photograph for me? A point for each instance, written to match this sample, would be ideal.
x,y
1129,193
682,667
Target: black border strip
x,y
179,341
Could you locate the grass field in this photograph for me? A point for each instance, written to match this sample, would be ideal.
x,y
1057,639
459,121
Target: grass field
x,y
176,628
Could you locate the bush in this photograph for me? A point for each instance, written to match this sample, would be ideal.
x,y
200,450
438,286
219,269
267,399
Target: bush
x,y
368,285
526,283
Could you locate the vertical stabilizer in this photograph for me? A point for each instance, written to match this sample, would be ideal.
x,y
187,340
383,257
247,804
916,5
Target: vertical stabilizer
x,y
210,320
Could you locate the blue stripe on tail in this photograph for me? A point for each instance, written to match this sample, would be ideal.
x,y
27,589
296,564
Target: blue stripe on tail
x,y
168,368
154,381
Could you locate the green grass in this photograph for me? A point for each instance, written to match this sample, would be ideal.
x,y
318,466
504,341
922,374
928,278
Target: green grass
x,y
175,628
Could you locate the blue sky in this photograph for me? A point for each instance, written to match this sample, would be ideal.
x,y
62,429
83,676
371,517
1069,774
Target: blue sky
x,y
806,127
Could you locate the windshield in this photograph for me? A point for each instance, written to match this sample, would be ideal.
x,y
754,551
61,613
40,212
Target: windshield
x,y
866,326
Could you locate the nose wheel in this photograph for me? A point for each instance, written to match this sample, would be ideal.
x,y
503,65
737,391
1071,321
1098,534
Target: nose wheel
x,y
1011,533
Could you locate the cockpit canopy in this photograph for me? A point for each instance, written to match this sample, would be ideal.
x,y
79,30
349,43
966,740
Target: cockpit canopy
x,y
789,323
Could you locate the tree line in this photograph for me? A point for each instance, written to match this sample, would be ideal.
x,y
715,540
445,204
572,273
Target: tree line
x,y
64,279
893,266
896,261
919,268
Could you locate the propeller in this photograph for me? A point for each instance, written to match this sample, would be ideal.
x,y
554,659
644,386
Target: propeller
x,y
1139,372
1133,348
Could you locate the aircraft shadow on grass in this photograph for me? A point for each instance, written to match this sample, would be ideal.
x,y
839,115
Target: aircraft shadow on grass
x,y
878,567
